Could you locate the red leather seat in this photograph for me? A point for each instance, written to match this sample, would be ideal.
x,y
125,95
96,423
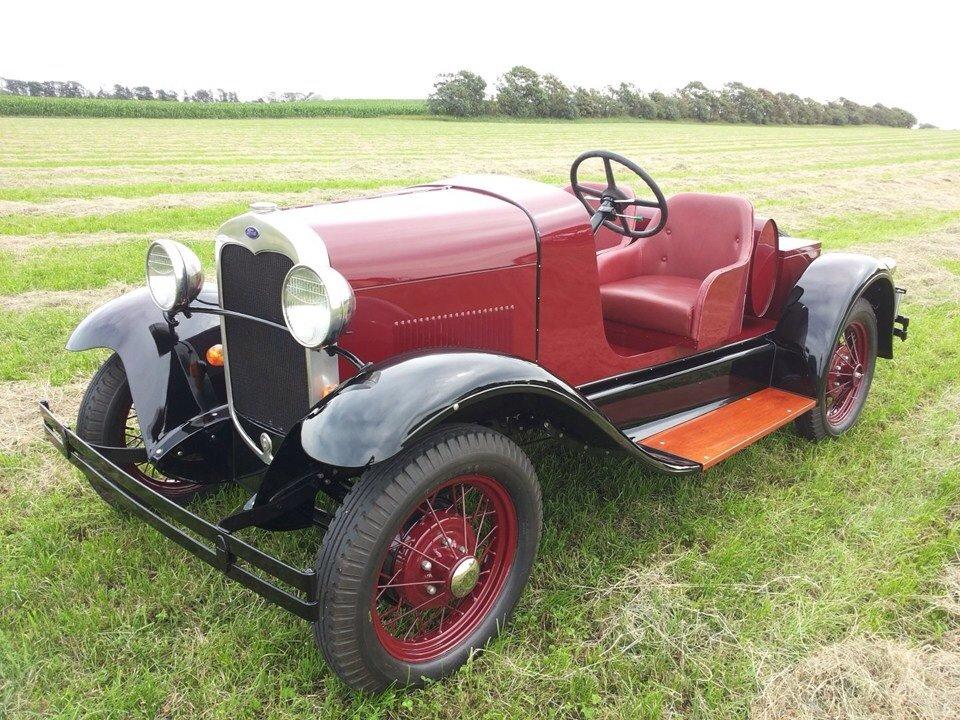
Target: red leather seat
x,y
690,279
662,302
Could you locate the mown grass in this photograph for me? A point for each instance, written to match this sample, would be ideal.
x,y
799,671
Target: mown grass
x,y
138,190
839,232
14,105
31,347
81,267
652,597
151,220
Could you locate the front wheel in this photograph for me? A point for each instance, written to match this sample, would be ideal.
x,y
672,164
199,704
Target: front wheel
x,y
426,558
846,379
107,417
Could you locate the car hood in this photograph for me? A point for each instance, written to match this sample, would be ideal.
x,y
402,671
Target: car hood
x,y
419,233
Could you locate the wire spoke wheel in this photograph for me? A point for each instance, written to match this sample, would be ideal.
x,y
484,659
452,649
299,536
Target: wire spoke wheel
x,y
108,417
146,472
444,571
426,558
847,374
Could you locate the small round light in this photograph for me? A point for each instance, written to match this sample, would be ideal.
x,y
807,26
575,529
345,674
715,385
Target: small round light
x,y
316,305
215,355
174,274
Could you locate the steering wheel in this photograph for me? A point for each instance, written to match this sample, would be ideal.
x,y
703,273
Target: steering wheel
x,y
613,201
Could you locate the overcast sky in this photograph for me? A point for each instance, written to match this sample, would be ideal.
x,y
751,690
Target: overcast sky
x,y
903,54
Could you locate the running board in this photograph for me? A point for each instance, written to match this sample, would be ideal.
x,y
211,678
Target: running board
x,y
720,433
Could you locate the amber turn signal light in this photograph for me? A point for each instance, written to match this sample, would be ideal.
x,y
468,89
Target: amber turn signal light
x,y
215,355
327,389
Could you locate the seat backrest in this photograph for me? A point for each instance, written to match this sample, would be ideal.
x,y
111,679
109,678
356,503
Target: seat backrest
x,y
703,233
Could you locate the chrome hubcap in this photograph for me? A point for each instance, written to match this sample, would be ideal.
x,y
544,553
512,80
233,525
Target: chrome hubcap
x,y
464,577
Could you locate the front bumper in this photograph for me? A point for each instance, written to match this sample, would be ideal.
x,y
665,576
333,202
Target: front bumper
x,y
223,551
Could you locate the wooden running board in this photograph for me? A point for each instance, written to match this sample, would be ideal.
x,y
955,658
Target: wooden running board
x,y
720,433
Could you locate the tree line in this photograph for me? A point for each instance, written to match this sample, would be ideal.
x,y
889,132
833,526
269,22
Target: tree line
x,y
73,89
522,92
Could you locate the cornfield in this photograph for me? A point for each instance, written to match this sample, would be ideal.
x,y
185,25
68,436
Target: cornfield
x,y
97,107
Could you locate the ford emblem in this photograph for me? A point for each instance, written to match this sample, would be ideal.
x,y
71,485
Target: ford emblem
x,y
252,233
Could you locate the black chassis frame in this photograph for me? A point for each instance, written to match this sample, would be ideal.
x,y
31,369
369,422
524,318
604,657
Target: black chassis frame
x,y
374,415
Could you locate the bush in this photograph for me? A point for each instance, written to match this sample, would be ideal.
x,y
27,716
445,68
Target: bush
x,y
670,110
460,94
558,99
520,93
591,103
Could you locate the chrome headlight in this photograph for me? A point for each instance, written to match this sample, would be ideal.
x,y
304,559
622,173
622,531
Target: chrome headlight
x,y
317,304
174,274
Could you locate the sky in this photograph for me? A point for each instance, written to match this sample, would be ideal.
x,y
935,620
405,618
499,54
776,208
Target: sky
x,y
903,54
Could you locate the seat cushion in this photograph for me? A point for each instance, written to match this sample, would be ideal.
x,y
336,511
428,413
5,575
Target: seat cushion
x,y
657,302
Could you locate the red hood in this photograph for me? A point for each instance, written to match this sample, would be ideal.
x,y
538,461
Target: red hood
x,y
420,233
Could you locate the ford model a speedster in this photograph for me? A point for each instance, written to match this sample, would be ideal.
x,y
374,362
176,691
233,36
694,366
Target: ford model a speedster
x,y
374,367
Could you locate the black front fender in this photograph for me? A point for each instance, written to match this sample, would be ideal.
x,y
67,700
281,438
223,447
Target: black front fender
x,y
389,406
164,362
808,329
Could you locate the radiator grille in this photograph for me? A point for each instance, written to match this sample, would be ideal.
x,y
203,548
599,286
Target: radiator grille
x,y
268,368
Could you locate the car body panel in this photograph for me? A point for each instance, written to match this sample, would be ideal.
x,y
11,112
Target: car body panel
x,y
418,234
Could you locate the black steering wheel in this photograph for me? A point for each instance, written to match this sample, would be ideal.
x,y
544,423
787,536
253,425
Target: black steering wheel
x,y
613,201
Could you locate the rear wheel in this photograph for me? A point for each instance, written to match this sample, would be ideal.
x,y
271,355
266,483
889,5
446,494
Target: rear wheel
x,y
847,377
107,417
426,558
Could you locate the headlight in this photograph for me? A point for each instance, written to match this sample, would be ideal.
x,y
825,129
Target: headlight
x,y
174,274
316,304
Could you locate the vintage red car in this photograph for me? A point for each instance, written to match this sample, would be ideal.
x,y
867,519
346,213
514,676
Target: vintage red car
x,y
375,367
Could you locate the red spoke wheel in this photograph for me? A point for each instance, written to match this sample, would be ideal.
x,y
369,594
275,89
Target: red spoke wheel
x,y
426,558
846,377
443,573
107,417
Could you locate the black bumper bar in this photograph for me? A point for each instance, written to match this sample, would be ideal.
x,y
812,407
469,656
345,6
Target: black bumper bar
x,y
223,552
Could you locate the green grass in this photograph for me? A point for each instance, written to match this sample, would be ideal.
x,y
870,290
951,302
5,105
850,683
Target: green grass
x,y
838,232
82,268
32,347
138,190
652,596
14,105
134,221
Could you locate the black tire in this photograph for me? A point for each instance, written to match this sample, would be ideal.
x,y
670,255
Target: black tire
x,y
817,424
102,420
366,527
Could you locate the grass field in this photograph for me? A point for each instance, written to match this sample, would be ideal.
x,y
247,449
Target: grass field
x,y
822,581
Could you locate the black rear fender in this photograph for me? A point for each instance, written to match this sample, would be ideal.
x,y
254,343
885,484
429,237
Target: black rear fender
x,y
808,329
